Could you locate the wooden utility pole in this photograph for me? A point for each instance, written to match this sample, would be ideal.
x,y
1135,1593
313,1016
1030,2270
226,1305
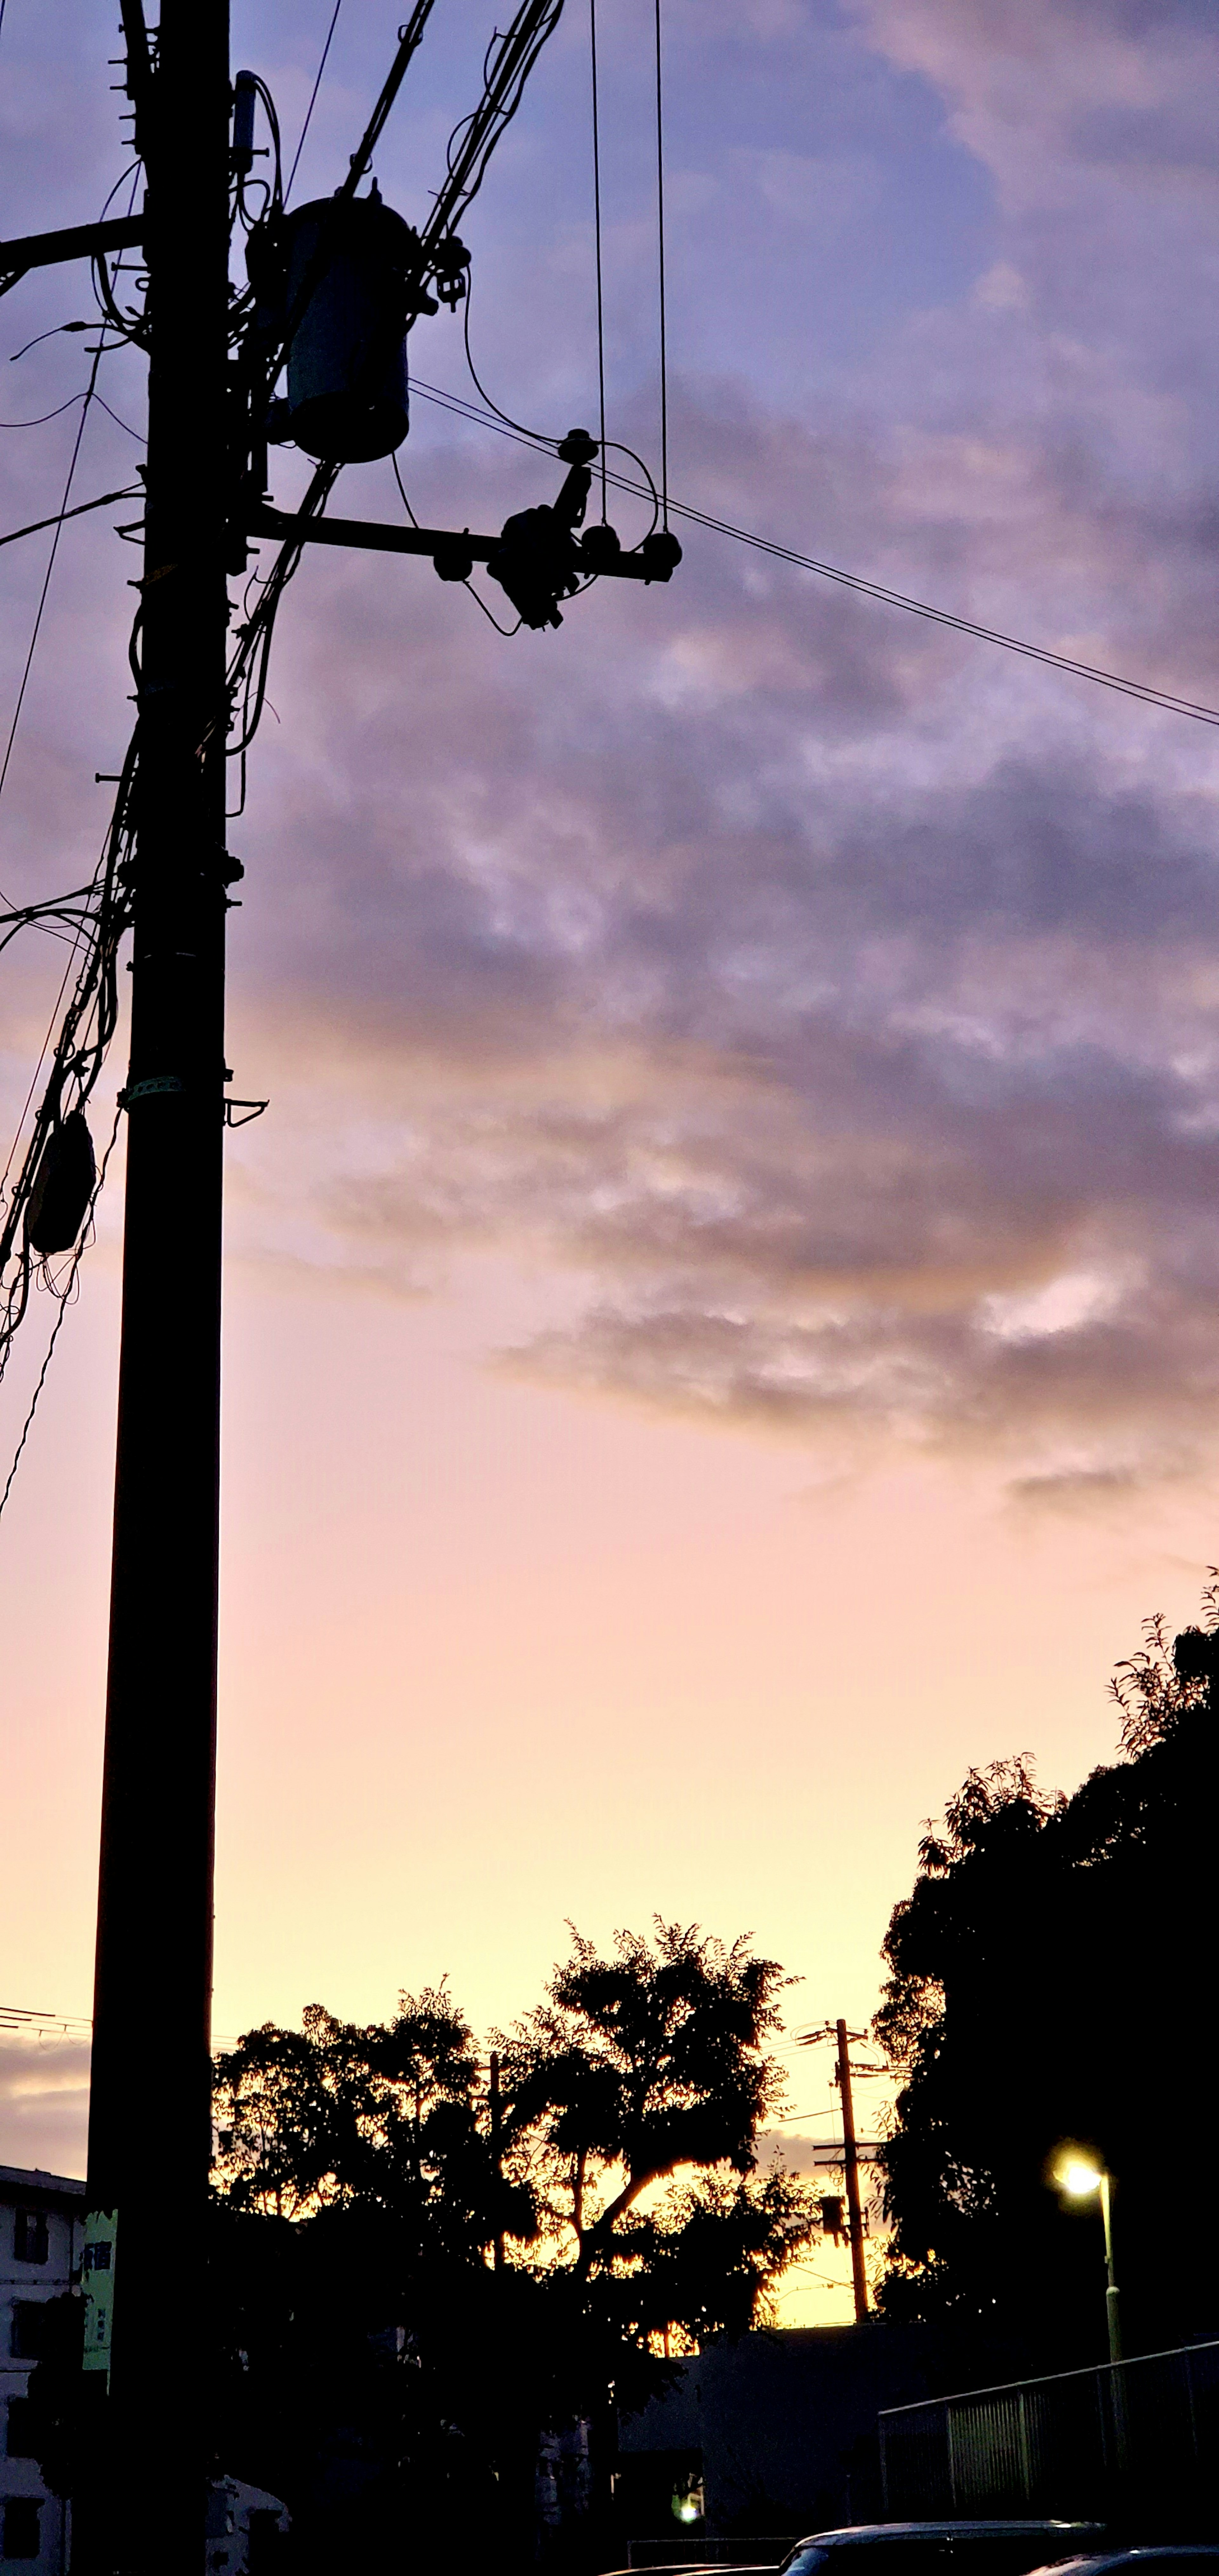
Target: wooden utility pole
x,y
850,2156
149,2123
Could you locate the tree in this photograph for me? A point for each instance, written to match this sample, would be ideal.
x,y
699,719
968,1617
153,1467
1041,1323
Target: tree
x,y
388,2116
359,2196
637,2068
1051,1964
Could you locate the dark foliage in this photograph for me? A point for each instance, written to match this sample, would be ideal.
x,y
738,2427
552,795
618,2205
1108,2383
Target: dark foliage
x,y
1051,1973
373,2368
636,2068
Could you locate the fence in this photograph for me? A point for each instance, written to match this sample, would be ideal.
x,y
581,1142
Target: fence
x,y
1131,2440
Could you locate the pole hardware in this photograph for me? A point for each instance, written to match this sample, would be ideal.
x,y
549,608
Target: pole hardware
x,y
75,241
537,550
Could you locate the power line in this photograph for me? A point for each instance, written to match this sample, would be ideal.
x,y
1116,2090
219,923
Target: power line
x,y
130,492
1143,690
313,99
592,38
20,2017
660,236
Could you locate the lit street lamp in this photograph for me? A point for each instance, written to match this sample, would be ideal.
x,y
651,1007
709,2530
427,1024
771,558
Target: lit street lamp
x,y
1079,2176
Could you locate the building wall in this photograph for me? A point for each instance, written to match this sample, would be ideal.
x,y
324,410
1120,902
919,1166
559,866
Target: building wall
x,y
782,2427
41,2235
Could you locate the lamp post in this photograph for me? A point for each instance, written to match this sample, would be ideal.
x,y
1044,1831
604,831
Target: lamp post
x,y
1079,2176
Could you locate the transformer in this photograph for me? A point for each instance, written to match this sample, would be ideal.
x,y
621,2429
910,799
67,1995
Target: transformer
x,y
63,1188
343,266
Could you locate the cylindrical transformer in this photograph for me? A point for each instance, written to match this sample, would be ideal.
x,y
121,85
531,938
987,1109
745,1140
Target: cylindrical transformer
x,y
346,269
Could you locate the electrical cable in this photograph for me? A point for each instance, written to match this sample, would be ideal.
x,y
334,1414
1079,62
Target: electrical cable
x,y
95,998
90,391
660,236
130,492
29,659
409,39
592,38
313,100
1143,690
43,416
42,1057
478,600
535,438
137,434
65,1296
538,437
40,336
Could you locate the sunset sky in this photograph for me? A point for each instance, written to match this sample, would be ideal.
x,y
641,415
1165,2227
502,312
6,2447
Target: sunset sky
x,y
722,1324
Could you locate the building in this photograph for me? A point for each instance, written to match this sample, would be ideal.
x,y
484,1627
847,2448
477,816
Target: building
x,y
42,2219
42,2226
772,2436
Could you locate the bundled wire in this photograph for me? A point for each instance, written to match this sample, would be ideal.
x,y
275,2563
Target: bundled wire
x,y
94,918
246,681
64,1294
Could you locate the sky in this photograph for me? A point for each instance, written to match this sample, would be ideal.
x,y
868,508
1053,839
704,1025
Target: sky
x,y
721,1324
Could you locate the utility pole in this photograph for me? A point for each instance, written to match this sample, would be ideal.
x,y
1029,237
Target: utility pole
x,y
149,2122
140,2511
850,2155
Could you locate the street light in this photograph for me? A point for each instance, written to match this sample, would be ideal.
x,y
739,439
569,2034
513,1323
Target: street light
x,y
1079,2176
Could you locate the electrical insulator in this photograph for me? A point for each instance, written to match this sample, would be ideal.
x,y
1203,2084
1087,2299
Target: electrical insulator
x,y
341,280
63,1187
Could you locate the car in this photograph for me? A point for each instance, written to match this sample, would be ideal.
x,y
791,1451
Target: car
x,y
923,2549
942,2548
1177,2557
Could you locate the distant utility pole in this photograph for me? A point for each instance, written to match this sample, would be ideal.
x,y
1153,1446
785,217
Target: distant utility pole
x,y
837,2031
850,2155
150,2106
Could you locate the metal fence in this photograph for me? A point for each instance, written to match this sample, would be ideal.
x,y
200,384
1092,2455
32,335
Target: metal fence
x,y
1126,2440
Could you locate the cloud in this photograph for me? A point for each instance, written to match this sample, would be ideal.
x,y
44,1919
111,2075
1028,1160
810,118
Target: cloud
x,y
44,2104
821,1006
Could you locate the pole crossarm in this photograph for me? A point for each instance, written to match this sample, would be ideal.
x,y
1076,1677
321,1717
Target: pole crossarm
x,y
444,545
75,241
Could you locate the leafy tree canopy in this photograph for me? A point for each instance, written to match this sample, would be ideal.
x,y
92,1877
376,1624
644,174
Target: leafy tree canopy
x,y
360,2191
1053,1956
638,2069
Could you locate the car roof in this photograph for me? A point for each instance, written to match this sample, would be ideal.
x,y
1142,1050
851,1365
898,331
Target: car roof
x,y
1152,2551
859,2531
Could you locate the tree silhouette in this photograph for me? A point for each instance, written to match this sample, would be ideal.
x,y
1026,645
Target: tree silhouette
x,y
360,2192
639,2067
384,2116
1053,1957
